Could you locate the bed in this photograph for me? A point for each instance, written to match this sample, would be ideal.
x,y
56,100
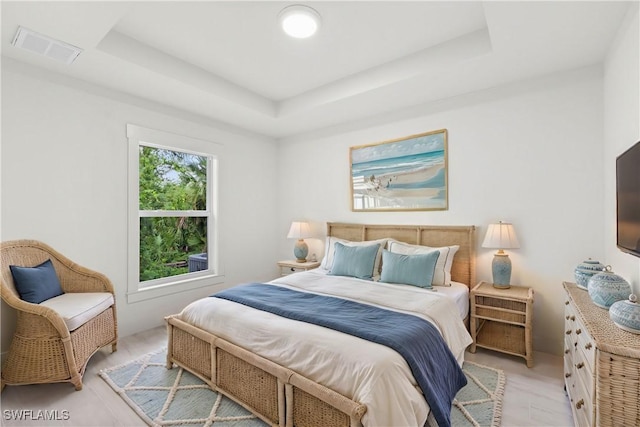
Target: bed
x,y
290,381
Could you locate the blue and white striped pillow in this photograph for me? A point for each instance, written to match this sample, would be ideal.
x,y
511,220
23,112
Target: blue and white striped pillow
x,y
327,260
415,270
442,272
354,261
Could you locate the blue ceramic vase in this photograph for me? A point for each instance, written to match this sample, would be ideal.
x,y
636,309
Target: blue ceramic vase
x,y
300,251
584,271
605,288
626,314
501,269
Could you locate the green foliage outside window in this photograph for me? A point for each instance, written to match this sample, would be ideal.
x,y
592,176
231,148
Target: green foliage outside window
x,y
171,181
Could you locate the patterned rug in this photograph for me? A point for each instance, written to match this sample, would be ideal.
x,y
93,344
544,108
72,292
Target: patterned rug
x,y
479,403
175,397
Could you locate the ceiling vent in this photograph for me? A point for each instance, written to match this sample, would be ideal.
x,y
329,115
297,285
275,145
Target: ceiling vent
x,y
51,48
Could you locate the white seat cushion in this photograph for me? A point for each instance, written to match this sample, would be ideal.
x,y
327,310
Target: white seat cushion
x,y
78,308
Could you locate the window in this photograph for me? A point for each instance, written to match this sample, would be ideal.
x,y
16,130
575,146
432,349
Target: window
x,y
172,213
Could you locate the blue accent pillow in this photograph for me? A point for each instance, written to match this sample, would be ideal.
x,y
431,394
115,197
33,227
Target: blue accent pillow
x,y
36,284
416,270
354,261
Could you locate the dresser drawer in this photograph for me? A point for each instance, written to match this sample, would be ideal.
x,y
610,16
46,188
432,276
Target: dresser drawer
x,y
586,346
583,372
569,321
581,338
582,407
569,348
291,266
290,270
570,334
569,377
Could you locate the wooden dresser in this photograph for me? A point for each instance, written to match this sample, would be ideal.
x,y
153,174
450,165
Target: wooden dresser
x,y
601,364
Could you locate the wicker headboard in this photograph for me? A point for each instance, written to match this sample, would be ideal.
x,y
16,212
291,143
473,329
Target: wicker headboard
x,y
464,263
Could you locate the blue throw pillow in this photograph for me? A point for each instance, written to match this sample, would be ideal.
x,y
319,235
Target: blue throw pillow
x,y
354,261
416,270
36,284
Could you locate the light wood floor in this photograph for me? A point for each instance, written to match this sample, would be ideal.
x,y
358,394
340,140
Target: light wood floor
x,y
533,397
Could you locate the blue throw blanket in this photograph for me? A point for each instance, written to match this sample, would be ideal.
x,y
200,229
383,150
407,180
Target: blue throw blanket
x,y
433,365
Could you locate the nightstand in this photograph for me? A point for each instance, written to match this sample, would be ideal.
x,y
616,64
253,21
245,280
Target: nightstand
x,y
501,320
292,266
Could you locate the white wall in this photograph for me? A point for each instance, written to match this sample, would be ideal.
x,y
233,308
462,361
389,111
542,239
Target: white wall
x,y
530,153
64,181
621,130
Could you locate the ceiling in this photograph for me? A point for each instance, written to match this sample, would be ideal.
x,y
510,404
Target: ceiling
x,y
230,62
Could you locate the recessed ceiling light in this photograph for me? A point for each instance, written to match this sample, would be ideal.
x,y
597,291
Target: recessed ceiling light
x,y
45,45
299,21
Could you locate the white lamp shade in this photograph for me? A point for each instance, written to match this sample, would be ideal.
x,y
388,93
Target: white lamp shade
x,y
501,236
299,230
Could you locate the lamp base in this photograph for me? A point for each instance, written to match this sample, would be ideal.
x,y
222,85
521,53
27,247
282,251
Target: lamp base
x,y
501,268
300,251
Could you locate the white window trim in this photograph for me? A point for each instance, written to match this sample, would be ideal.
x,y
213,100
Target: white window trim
x,y
137,136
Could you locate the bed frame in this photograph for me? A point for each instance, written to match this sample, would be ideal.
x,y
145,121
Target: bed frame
x,y
274,393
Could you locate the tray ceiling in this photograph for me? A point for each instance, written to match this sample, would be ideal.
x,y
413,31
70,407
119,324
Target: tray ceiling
x,y
230,62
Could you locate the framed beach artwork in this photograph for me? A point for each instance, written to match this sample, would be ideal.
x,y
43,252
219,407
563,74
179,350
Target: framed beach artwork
x,y
404,174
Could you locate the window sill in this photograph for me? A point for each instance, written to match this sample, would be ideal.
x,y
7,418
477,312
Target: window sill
x,y
158,291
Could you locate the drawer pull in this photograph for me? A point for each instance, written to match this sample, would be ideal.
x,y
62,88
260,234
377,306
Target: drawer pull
x,y
580,365
588,346
573,318
578,331
567,375
580,404
568,332
567,351
292,269
566,303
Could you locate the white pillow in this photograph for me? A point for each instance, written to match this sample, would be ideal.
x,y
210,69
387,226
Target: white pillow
x,y
442,273
329,250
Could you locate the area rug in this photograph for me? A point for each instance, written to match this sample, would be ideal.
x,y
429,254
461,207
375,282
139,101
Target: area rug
x,y
175,397
479,403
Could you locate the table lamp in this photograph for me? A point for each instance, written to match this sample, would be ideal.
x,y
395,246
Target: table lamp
x,y
300,230
501,236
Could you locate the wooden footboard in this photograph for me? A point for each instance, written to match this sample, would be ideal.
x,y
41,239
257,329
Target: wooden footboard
x,y
277,395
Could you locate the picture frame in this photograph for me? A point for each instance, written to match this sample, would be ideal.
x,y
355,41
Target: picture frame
x,y
403,174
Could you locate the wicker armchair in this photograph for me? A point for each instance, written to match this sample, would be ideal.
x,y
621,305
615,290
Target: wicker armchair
x,y
43,349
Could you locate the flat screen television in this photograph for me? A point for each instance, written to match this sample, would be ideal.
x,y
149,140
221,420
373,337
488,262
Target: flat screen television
x,y
628,200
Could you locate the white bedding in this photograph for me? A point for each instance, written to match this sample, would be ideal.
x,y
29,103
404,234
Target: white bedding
x,y
369,373
459,292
